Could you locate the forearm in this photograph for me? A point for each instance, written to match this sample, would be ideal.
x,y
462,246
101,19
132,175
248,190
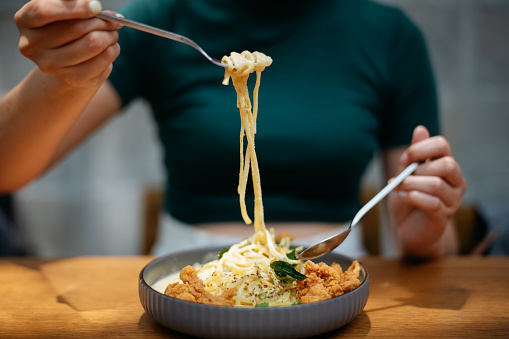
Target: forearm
x,y
34,118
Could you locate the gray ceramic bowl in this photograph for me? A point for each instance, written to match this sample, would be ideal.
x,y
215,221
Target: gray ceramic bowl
x,y
208,321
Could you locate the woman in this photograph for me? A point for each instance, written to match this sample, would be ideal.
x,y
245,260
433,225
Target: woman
x,y
349,78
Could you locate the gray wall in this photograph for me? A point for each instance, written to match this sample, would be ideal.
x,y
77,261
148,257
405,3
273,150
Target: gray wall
x,y
91,202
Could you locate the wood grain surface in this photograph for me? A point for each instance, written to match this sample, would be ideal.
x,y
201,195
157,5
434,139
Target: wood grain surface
x,y
97,297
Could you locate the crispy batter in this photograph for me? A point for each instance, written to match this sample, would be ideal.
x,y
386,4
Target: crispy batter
x,y
193,290
325,282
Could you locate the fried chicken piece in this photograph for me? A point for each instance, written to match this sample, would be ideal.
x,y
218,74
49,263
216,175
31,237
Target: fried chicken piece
x,y
193,289
325,282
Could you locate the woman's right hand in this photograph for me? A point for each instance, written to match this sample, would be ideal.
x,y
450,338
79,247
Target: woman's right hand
x,y
65,39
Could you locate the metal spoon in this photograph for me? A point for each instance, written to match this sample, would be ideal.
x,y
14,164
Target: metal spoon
x,y
159,32
327,245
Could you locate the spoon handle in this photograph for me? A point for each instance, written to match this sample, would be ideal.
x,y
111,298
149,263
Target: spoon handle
x,y
386,190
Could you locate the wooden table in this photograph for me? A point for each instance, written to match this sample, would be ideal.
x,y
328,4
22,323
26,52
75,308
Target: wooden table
x,y
97,297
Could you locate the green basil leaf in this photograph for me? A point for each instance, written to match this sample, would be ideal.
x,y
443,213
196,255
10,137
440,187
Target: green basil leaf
x,y
292,255
286,271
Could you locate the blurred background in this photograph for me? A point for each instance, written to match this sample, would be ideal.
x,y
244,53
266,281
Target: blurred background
x,y
93,202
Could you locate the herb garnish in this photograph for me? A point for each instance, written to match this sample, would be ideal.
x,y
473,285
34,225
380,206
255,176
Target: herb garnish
x,y
262,305
292,255
286,271
223,251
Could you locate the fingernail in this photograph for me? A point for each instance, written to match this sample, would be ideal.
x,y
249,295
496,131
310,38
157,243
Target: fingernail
x,y
95,7
389,181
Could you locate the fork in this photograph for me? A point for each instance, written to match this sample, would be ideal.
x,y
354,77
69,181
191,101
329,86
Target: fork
x,y
159,32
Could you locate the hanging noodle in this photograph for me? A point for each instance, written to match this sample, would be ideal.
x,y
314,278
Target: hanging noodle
x,y
239,67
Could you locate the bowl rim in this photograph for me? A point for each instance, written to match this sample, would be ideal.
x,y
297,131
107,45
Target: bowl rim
x,y
242,309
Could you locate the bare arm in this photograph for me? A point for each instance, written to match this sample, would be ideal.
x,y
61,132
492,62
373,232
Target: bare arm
x,y
62,100
105,104
37,128
422,207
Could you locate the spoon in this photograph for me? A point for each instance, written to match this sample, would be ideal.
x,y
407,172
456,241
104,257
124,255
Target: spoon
x,y
327,245
159,32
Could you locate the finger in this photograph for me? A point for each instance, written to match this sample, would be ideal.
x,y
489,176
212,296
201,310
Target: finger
x,y
431,185
431,148
420,133
445,167
71,30
99,79
426,202
91,72
40,13
103,75
61,33
79,51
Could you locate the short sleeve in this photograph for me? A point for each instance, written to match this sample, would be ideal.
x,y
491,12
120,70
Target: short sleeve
x,y
411,97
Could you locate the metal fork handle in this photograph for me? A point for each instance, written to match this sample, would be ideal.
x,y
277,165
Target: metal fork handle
x,y
159,32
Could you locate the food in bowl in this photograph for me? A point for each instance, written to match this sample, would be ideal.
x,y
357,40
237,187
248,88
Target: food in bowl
x,y
260,272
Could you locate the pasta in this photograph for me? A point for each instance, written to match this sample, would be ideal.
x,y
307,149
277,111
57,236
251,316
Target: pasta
x,y
239,67
258,271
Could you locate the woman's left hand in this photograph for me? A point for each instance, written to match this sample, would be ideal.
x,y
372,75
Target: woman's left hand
x,y
424,204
